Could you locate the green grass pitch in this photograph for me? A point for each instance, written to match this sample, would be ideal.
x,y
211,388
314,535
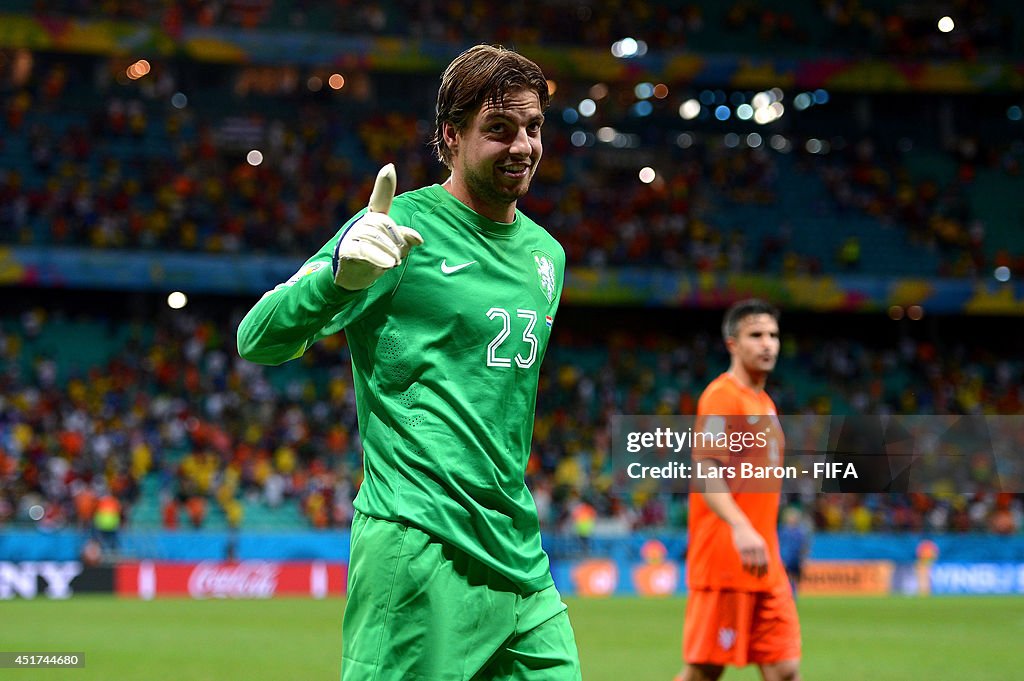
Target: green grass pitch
x,y
620,639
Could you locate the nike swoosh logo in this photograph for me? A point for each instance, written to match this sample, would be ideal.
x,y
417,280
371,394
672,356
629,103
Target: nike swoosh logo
x,y
454,268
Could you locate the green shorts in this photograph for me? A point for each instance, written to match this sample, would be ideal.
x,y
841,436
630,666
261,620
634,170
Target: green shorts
x,y
422,610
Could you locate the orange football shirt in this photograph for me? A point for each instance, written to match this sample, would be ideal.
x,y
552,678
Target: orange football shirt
x,y
712,560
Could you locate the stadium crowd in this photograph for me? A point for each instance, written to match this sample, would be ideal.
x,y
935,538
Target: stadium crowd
x,y
172,417
836,26
125,170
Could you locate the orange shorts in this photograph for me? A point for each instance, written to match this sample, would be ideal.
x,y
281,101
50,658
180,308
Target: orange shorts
x,y
741,627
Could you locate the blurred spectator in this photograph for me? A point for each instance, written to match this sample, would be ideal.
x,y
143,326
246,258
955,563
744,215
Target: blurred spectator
x,y
794,544
92,553
107,521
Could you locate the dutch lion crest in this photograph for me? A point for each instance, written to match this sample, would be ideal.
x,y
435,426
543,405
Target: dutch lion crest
x,y
546,272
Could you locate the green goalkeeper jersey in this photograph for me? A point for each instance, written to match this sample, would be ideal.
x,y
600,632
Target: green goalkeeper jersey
x,y
446,353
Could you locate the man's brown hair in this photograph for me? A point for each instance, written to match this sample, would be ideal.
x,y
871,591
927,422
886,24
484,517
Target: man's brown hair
x,y
483,72
743,309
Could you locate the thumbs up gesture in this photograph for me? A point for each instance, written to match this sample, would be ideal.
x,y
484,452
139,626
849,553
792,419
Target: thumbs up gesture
x,y
374,243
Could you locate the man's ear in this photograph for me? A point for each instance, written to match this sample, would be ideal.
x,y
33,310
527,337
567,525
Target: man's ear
x,y
451,137
730,344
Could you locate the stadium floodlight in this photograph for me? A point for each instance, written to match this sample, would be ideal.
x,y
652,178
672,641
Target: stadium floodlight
x,y
177,300
138,69
647,175
643,108
689,109
946,24
625,48
764,115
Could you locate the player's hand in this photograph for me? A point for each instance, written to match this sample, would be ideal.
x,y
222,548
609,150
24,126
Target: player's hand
x,y
752,549
374,243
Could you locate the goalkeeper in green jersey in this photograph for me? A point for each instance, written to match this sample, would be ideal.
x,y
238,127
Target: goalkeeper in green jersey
x,y
447,296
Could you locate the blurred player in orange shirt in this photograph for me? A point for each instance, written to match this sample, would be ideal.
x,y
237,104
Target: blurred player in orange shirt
x,y
741,608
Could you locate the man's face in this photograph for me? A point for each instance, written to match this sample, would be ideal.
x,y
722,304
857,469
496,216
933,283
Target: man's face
x,y
499,150
756,344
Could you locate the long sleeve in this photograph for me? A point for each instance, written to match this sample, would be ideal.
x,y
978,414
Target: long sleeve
x,y
304,309
283,323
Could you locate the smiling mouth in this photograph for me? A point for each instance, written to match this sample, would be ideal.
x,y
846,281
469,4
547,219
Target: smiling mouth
x,y
516,170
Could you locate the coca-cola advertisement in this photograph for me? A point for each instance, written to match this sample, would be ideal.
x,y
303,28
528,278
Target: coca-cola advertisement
x,y
245,579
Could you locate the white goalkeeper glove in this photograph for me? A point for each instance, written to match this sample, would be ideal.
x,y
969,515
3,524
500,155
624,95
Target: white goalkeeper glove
x,y
374,243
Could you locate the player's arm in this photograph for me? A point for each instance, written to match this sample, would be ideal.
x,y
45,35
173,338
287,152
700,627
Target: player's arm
x,y
749,544
334,287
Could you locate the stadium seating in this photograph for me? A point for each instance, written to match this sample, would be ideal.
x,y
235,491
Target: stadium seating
x,y
188,435
794,27
163,396
775,212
